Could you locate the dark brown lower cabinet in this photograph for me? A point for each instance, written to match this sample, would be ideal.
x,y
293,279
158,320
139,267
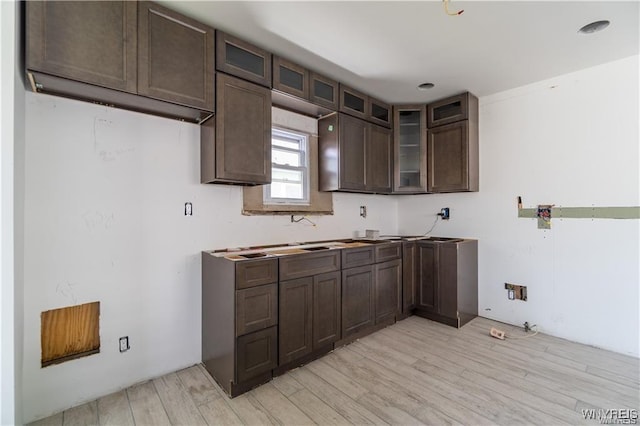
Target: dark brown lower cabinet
x,y
257,353
388,276
358,308
309,318
409,277
448,281
296,316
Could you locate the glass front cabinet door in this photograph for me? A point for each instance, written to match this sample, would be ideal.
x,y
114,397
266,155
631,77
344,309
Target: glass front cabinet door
x,y
410,144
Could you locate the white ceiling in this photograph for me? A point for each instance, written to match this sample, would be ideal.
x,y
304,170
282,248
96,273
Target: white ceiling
x,y
387,48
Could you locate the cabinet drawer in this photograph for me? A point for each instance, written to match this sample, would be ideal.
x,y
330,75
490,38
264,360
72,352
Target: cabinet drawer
x,y
386,252
256,308
357,257
256,353
305,265
255,273
242,59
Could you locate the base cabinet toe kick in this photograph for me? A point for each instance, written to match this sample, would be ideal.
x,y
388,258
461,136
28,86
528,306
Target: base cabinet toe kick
x,y
265,315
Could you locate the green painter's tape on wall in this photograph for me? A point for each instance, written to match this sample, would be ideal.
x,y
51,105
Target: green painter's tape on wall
x,y
586,213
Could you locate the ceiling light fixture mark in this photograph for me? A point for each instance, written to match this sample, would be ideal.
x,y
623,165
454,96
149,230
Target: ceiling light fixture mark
x,y
594,27
426,86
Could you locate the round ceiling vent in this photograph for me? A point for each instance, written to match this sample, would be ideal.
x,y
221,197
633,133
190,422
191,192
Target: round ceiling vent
x,y
426,86
594,27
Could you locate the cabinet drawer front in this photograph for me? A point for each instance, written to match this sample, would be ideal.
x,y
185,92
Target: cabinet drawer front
x,y
256,308
256,353
242,59
357,257
386,252
255,273
305,265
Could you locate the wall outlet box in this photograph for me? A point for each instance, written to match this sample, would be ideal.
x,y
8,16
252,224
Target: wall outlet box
x,y
124,344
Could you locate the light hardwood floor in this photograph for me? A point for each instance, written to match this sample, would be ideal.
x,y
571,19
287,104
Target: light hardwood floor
x,y
414,372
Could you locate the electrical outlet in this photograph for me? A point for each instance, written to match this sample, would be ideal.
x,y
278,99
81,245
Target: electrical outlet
x,y
188,209
511,294
124,344
444,213
363,211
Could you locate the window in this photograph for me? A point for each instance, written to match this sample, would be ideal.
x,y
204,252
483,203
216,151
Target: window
x,y
289,169
294,171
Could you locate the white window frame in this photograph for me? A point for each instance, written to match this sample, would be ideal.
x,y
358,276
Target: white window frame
x,y
303,141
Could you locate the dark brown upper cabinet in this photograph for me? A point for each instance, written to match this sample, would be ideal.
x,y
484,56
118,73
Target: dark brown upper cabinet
x,y
379,112
241,59
235,146
410,149
323,91
450,110
379,163
175,57
452,149
290,78
92,51
355,156
353,102
91,42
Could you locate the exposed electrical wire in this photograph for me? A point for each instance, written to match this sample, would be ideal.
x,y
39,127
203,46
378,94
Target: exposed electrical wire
x,y
508,336
301,219
435,222
446,9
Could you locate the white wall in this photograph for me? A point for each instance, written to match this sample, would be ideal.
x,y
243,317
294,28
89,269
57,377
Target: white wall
x,y
105,194
570,141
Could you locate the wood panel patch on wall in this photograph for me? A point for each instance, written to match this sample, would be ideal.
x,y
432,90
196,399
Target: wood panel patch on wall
x,y
69,333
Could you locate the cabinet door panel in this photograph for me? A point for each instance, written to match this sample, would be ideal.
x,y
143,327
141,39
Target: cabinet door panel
x,y
92,42
242,59
387,289
448,110
323,91
290,78
295,322
353,135
353,102
410,148
428,276
175,57
256,308
326,309
379,112
243,131
256,353
448,156
448,281
357,299
379,159
409,277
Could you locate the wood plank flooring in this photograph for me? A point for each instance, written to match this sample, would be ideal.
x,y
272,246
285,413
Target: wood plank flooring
x,y
414,372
